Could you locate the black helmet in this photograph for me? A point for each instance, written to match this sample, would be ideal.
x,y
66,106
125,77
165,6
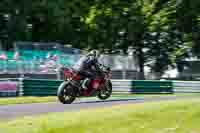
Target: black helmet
x,y
94,53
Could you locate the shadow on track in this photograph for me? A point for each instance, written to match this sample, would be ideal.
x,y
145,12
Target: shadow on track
x,y
111,100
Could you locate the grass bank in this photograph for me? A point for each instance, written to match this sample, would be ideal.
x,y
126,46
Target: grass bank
x,y
180,116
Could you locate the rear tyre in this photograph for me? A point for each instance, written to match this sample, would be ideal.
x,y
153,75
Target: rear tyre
x,y
66,93
105,92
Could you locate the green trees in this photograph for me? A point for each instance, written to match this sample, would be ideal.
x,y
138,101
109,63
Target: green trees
x,y
161,31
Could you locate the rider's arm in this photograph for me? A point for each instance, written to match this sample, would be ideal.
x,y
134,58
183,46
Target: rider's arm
x,y
97,65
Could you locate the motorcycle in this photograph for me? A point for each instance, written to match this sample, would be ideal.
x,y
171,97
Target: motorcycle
x,y
72,86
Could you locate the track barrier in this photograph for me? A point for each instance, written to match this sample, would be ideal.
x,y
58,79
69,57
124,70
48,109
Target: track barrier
x,y
8,88
187,86
44,87
35,87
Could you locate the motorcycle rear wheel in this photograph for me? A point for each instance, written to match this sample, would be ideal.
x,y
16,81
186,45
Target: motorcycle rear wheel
x,y
66,93
105,92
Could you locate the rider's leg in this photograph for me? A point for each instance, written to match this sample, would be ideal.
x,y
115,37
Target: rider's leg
x,y
84,83
86,77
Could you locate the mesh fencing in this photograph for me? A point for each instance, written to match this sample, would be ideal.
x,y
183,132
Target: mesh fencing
x,y
36,57
50,65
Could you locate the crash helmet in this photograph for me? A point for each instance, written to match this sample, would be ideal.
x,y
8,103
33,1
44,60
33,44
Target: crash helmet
x,y
94,53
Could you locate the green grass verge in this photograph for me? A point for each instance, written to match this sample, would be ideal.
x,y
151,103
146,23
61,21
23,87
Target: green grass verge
x,y
23,100
163,117
26,100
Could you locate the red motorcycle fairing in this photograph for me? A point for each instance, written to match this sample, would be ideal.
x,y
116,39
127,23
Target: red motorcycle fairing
x,y
76,77
95,83
69,73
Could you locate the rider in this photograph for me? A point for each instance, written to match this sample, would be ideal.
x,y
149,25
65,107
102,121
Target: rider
x,y
88,66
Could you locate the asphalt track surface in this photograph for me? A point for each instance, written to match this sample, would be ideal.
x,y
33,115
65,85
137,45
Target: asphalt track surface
x,y
9,112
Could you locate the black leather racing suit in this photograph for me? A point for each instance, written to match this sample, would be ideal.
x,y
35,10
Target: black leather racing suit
x,y
87,67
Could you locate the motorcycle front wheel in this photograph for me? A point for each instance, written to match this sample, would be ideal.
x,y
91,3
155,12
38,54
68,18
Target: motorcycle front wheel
x,y
106,91
66,93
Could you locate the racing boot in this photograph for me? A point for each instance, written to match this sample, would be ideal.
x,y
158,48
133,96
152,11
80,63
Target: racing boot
x,y
84,84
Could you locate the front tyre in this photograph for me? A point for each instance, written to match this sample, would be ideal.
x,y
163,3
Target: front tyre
x,y
65,93
106,91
